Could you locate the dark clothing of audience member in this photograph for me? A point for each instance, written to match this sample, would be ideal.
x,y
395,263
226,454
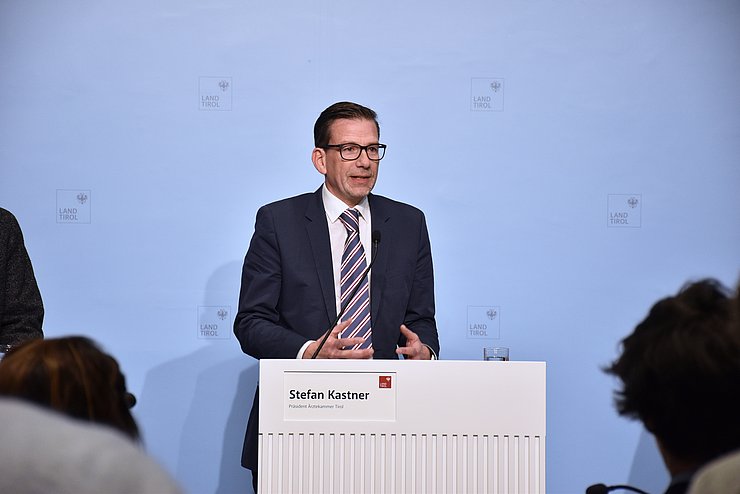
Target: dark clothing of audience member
x,y
21,309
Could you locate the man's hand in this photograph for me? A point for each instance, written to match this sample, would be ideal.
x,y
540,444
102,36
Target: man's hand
x,y
335,346
414,349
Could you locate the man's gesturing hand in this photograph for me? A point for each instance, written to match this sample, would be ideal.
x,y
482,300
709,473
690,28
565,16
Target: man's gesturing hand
x,y
335,346
414,349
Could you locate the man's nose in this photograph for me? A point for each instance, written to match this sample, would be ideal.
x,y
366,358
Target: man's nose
x,y
363,159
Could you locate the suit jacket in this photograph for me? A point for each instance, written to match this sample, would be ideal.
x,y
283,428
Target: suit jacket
x,y
287,293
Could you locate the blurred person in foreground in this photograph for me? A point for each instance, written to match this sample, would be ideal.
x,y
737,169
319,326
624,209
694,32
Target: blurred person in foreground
x,y
723,474
45,452
21,308
71,375
680,374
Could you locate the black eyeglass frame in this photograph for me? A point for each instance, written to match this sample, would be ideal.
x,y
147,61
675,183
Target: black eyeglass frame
x,y
380,147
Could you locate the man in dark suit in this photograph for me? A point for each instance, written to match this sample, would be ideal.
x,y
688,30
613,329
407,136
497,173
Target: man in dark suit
x,y
294,271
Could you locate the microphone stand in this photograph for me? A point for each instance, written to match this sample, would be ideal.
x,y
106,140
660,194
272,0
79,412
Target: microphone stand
x,y
603,489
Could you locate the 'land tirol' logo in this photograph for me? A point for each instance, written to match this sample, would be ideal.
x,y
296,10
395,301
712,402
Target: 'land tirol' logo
x,y
486,94
624,211
214,322
483,323
214,93
73,206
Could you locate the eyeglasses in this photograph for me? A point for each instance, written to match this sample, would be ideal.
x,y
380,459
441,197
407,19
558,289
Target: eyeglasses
x,y
351,151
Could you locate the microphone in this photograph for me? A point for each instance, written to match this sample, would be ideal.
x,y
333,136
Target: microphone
x,y
376,242
130,400
603,489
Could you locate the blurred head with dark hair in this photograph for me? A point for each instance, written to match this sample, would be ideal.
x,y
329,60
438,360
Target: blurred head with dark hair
x,y
680,373
73,376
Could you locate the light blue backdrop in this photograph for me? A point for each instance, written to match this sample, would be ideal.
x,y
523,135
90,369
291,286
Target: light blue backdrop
x,y
600,111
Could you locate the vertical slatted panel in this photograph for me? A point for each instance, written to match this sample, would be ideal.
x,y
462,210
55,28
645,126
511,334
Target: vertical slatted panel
x,y
401,464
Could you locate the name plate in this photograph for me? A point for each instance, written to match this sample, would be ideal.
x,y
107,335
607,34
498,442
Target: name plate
x,y
332,396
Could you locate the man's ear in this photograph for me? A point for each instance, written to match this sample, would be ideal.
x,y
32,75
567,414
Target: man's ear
x,y
318,156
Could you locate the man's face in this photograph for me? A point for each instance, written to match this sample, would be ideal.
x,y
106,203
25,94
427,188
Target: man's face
x,y
351,180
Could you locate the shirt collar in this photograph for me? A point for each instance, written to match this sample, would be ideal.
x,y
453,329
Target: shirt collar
x,y
335,207
683,477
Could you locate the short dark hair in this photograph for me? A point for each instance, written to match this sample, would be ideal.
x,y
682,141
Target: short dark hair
x,y
71,375
337,111
680,372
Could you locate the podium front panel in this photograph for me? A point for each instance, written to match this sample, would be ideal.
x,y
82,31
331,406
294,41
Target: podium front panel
x,y
379,426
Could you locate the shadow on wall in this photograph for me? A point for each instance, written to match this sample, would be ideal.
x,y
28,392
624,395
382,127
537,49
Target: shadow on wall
x,y
194,413
207,436
230,481
194,409
648,471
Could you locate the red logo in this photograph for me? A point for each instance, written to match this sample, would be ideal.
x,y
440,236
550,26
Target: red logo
x,y
385,382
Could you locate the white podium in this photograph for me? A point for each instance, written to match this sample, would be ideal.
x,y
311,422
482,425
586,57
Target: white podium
x,y
387,426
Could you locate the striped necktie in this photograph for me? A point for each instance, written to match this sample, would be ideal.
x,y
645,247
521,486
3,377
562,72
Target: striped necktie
x,y
353,267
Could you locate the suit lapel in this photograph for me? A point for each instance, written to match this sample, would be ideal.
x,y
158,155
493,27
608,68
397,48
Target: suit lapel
x,y
381,223
318,235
